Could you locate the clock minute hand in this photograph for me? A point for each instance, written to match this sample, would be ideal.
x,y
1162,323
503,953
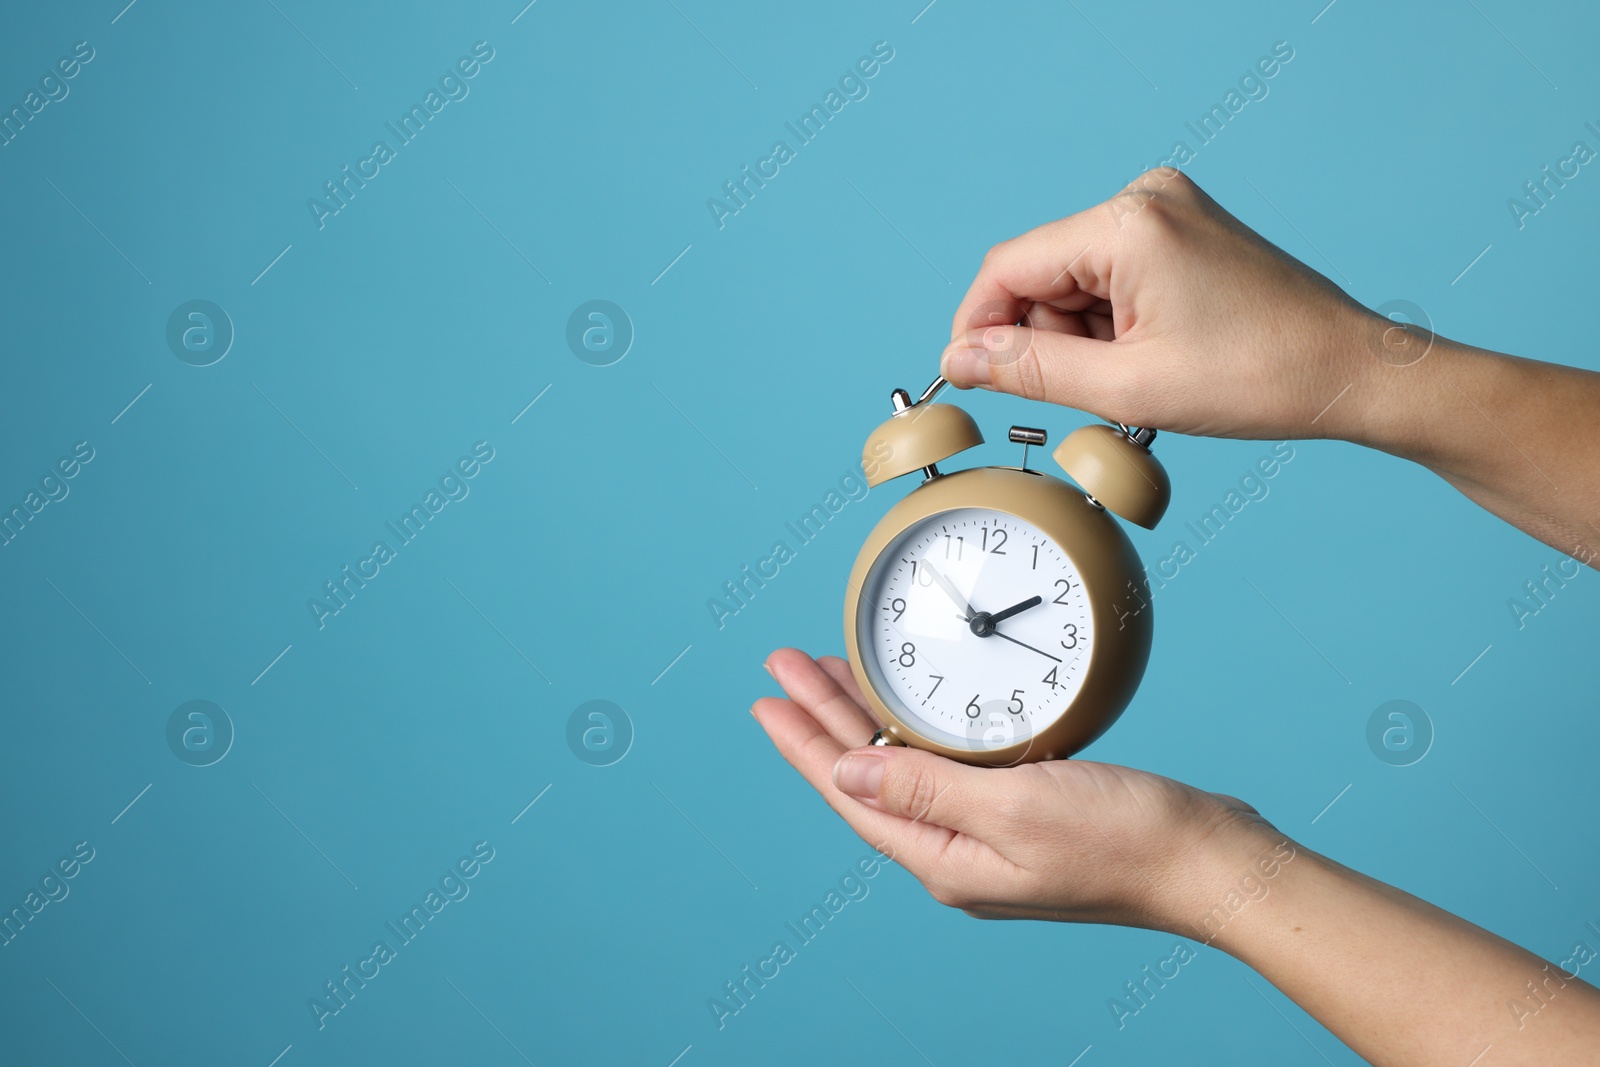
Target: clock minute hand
x,y
1030,648
1015,609
950,590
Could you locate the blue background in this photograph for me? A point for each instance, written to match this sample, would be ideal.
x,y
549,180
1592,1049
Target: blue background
x,y
424,317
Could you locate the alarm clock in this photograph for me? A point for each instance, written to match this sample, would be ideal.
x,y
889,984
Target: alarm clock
x,y
993,614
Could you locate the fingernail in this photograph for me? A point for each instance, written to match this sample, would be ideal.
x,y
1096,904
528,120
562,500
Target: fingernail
x,y
860,776
965,366
768,668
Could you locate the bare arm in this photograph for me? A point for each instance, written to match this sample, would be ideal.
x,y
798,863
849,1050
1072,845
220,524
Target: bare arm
x,y
1519,437
1403,982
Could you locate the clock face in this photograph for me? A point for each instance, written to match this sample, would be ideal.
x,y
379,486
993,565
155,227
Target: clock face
x,y
975,629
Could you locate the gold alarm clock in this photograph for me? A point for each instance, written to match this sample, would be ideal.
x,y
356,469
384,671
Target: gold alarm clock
x,y
993,615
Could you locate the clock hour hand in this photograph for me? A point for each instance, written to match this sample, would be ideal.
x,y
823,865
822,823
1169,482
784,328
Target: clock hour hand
x,y
998,617
950,590
983,623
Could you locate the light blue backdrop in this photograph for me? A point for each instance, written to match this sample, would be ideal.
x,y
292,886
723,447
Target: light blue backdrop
x,y
369,354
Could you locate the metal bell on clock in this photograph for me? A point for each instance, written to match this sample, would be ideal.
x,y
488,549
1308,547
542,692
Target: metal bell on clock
x,y
1115,467
917,436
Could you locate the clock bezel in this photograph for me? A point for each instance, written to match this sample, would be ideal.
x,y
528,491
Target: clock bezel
x,y
1106,563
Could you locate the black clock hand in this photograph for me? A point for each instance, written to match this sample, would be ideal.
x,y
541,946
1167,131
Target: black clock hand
x,y
983,623
995,618
950,590
1030,648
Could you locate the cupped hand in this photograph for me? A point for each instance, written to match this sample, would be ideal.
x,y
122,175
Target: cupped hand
x,y
1068,840
1158,308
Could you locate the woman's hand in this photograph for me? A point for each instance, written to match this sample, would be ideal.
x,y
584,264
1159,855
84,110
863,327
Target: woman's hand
x,y
1401,982
1158,308
1068,840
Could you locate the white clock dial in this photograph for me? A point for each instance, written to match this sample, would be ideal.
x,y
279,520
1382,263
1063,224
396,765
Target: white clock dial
x,y
975,629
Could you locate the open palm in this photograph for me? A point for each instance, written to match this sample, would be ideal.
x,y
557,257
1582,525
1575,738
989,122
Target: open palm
x,y
1068,840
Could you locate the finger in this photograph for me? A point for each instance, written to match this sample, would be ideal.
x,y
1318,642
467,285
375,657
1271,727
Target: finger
x,y
1066,263
1099,324
1069,263
808,685
1093,322
932,789
1048,317
812,751
1081,372
839,670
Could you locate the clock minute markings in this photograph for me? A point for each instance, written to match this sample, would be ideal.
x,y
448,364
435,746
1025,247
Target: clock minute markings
x,y
900,657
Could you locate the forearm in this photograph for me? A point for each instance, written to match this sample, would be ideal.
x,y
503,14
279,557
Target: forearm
x,y
1400,981
1521,438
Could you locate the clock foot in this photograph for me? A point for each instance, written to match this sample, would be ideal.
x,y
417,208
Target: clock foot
x,y
884,738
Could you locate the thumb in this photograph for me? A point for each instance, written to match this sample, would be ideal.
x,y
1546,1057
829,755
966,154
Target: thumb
x,y
921,786
1060,368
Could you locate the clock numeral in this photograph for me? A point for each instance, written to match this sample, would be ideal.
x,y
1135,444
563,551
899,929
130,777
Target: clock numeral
x,y
961,543
898,606
908,654
1066,587
1035,557
1016,698
922,578
1072,632
937,678
973,711
1050,679
1003,538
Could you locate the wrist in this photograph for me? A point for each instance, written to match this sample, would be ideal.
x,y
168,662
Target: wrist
x,y
1230,869
1383,365
1407,390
